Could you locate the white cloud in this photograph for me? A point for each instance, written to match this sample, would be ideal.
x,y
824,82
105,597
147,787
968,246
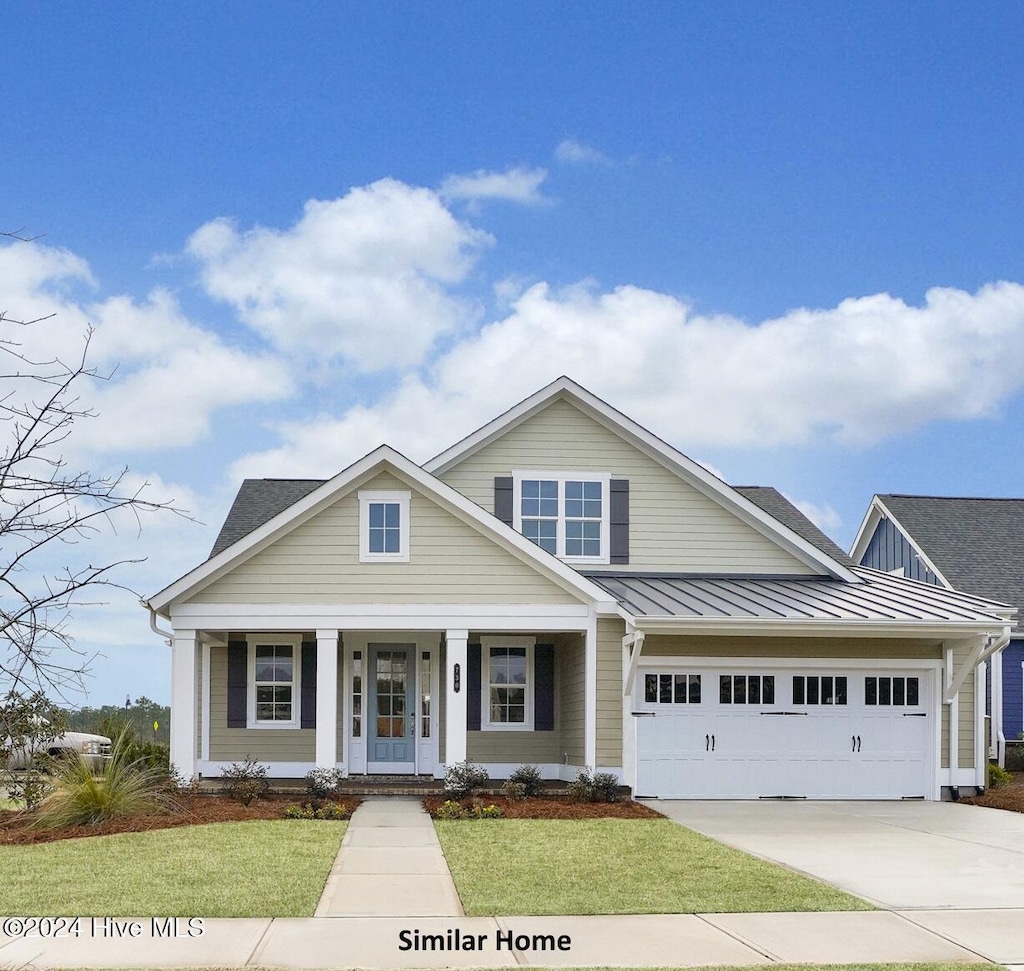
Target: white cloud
x,y
366,277
572,152
166,375
822,515
519,184
868,369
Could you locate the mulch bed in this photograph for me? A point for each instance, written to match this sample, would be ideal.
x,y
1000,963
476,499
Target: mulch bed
x,y
1009,796
556,807
194,810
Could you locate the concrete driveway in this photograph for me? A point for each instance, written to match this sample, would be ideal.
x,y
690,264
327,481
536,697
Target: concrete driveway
x,y
899,855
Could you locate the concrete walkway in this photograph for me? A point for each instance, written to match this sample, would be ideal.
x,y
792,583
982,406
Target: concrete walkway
x,y
390,865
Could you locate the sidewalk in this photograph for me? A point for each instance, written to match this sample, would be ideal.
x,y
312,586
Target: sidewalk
x,y
390,902
390,865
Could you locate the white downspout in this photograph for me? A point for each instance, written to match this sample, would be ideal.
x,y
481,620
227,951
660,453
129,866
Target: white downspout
x,y
167,635
953,708
997,708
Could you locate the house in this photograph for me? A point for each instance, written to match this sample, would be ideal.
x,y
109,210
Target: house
x,y
563,588
974,545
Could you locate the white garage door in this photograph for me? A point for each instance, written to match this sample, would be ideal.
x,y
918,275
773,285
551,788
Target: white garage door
x,y
837,734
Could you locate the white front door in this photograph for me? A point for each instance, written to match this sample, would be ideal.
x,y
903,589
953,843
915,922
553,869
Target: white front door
x,y
842,733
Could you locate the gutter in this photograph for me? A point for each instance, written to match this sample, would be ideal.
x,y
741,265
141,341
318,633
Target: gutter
x,y
167,635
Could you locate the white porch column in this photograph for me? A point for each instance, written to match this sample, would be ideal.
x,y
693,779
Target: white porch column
x,y
183,701
326,699
590,692
456,684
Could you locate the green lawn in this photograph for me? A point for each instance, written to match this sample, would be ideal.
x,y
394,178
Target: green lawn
x,y
617,866
252,869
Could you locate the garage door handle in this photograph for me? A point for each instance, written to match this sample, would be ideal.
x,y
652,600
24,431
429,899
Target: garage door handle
x,y
643,714
707,743
915,714
854,743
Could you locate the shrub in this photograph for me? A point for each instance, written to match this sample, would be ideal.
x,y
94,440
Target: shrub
x,y
1015,755
514,791
450,809
332,810
320,783
605,787
464,778
997,776
489,812
246,780
581,789
528,776
122,788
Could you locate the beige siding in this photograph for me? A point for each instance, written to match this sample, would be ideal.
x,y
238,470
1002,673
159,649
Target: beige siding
x,y
609,692
965,722
514,747
570,662
318,562
672,526
809,647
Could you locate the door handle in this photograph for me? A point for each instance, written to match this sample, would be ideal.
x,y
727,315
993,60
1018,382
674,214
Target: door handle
x,y
858,743
853,743
707,743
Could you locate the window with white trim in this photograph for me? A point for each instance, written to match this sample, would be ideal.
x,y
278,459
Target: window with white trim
x,y
384,526
274,675
506,681
565,513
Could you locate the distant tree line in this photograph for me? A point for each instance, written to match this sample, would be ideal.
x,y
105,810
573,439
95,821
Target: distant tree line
x,y
139,715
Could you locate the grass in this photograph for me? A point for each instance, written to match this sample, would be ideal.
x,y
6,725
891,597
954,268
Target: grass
x,y
617,866
253,869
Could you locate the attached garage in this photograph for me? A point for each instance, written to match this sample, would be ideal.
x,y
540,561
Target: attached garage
x,y
789,728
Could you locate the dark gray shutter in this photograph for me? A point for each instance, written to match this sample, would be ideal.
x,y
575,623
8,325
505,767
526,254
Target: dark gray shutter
x,y
503,498
544,688
238,677
618,520
308,706
473,688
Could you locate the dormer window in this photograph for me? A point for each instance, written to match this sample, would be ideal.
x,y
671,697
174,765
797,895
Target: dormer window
x,y
565,513
383,526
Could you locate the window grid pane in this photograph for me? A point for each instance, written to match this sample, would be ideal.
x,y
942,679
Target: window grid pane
x,y
507,687
385,527
273,682
583,513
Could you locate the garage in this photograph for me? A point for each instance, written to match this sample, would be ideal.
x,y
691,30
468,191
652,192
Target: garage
x,y
786,728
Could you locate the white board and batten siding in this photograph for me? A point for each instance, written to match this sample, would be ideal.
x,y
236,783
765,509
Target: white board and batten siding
x,y
672,526
449,562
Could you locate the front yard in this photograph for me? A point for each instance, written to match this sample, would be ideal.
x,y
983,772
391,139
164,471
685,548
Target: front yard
x,y
252,869
616,866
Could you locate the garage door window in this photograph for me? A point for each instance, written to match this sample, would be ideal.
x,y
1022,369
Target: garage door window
x,y
812,689
891,691
746,689
672,689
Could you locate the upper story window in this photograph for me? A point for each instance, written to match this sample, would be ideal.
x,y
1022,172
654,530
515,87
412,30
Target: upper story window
x,y
384,526
565,513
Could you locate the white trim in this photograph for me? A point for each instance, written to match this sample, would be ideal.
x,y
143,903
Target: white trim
x,y
393,497
326,698
877,511
980,756
488,641
963,777
456,653
204,752
688,470
214,768
590,691
273,639
380,459
183,702
808,628
810,663
561,478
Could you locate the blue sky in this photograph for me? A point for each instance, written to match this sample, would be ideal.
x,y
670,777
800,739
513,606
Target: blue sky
x,y
785,237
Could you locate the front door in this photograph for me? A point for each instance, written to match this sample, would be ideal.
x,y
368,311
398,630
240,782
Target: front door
x,y
392,708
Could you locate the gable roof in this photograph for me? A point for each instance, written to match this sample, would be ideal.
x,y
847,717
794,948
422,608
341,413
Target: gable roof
x,y
976,544
776,504
381,459
694,474
258,501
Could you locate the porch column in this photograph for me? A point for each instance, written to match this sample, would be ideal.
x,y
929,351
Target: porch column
x,y
326,699
455,696
183,702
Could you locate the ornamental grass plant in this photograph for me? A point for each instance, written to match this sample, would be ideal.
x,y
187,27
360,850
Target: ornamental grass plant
x,y
124,786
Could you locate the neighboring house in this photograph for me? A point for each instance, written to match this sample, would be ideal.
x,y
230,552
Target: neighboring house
x,y
563,588
973,545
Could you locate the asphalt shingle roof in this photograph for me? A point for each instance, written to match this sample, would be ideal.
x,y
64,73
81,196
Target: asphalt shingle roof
x,y
777,505
257,502
977,544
